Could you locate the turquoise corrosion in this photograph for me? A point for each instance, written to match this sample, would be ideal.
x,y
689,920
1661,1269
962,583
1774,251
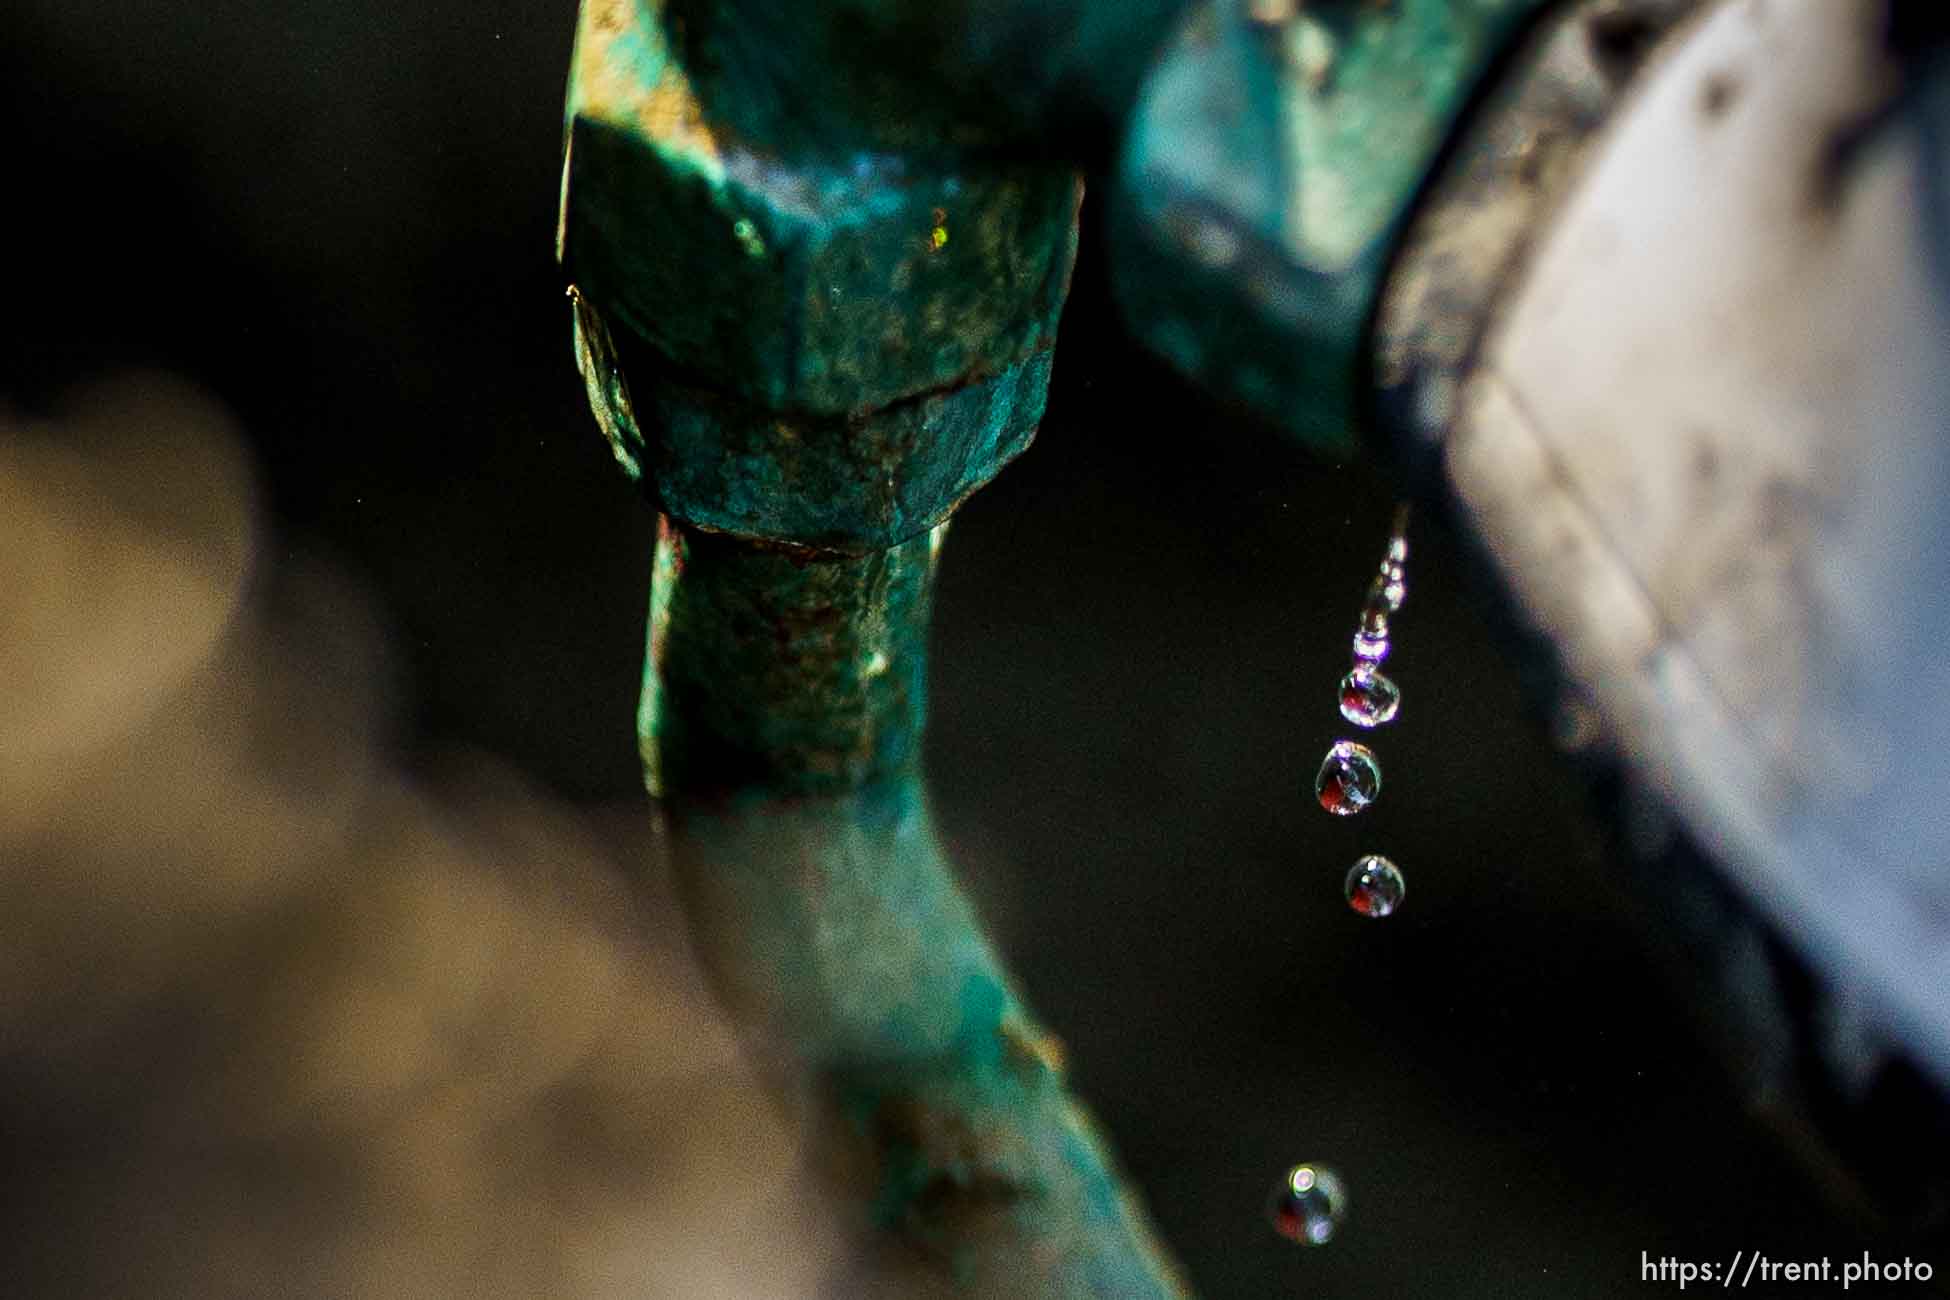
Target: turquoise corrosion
x,y
781,720
809,346
1265,183
817,255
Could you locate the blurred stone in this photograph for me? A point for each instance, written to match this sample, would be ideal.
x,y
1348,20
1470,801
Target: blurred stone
x,y
275,1019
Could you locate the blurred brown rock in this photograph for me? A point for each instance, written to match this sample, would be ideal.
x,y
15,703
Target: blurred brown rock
x,y
277,1018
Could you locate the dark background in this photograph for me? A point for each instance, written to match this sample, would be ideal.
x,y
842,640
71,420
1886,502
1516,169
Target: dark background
x,y
338,218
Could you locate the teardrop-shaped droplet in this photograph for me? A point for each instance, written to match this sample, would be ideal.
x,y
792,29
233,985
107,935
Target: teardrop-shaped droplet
x,y
1375,886
1385,595
1369,698
1308,1205
1370,649
1349,780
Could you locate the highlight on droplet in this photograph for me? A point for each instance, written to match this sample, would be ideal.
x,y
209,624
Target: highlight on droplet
x,y
1368,697
1308,1205
1375,886
1349,780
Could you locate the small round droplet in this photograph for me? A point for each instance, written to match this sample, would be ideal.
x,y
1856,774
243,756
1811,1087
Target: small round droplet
x,y
1374,622
1375,886
1368,698
1370,649
1308,1205
1385,594
1397,551
1349,780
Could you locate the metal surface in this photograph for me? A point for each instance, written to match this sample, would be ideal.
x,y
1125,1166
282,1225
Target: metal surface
x,y
783,703
815,309
1264,181
1704,447
810,326
1519,157
862,336
1054,78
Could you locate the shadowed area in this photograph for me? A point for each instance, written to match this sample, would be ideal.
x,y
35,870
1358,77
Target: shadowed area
x,y
279,1018
293,998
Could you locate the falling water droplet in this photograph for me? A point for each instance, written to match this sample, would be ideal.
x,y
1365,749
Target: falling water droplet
x,y
1375,886
1385,595
1308,1205
1370,649
1368,698
1349,780
1374,622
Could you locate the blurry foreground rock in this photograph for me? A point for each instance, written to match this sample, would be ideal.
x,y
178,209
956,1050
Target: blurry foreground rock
x,y
277,1019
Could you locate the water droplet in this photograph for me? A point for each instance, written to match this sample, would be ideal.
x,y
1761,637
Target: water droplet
x,y
1375,886
1370,649
1368,698
1397,551
1308,1205
1385,596
1374,622
1349,780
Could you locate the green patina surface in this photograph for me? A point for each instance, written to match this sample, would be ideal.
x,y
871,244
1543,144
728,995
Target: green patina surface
x,y
807,282
781,719
1265,182
1057,76
778,670
834,928
815,308
843,483
824,346
604,384
1374,90
830,293
847,484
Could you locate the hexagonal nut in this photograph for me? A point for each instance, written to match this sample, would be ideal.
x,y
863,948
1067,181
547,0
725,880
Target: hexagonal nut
x,y
844,483
825,285
841,483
